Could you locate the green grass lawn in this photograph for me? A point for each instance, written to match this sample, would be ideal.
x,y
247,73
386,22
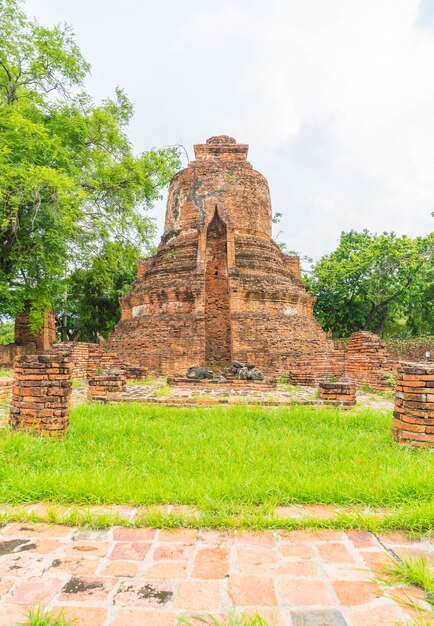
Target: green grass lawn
x,y
216,458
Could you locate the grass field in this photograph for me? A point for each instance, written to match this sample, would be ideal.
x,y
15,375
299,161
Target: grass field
x,y
216,459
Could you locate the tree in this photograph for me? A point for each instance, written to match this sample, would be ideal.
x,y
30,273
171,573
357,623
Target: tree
x,y
69,180
90,304
382,283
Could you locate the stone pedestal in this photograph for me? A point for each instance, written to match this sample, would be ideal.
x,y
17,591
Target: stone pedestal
x,y
107,387
338,393
413,417
41,394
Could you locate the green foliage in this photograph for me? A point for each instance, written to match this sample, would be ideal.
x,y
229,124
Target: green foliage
x,y
7,333
382,283
413,571
69,180
92,293
41,617
283,379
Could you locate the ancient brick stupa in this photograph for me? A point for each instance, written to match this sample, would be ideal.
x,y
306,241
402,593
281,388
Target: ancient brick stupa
x,y
219,288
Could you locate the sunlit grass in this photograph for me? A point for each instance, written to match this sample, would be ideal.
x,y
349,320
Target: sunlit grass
x,y
230,462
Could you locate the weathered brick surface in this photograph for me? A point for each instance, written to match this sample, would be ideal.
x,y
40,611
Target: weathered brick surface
x,y
218,288
107,387
25,341
203,385
413,417
41,394
90,359
5,388
338,393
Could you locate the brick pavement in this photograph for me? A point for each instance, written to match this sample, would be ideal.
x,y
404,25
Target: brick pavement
x,y
130,576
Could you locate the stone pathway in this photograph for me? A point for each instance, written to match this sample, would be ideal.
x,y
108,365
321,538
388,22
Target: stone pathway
x,y
141,576
153,394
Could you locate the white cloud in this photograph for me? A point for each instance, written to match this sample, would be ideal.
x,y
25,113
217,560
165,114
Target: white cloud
x,y
335,98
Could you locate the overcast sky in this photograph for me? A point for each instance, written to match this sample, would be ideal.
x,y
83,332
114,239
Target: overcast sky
x,y
335,97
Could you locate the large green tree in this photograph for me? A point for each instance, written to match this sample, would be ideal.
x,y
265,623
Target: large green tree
x,y
382,283
70,182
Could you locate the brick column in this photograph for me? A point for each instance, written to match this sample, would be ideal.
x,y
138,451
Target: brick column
x,y
107,387
413,417
41,394
338,393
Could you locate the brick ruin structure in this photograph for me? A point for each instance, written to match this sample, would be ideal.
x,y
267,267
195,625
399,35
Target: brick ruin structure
x,y
219,288
25,341
41,394
338,393
413,416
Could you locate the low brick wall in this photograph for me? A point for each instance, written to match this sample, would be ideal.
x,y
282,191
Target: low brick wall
x,y
338,393
5,388
107,387
41,394
413,417
261,385
10,351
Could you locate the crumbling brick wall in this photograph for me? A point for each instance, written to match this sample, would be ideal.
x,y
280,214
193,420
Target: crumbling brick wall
x,y
413,417
107,387
23,334
41,394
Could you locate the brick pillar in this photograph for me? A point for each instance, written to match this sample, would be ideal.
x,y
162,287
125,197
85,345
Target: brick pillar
x,y
41,394
413,417
338,393
107,387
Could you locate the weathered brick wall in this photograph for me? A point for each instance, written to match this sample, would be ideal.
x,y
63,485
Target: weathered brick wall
x,y
412,349
164,325
368,361
9,352
5,389
338,393
41,394
78,352
210,385
107,387
44,339
413,417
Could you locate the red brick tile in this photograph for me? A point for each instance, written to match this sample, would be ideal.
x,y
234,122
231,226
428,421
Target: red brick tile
x,y
184,535
289,512
263,538
376,560
413,601
335,552
43,546
296,550
255,555
397,538
355,593
121,569
130,551
36,591
173,552
151,594
86,588
204,595
320,511
252,591
310,536
5,585
362,539
13,613
74,565
133,534
166,570
88,548
297,568
337,571
22,564
305,592
385,615
82,616
140,617
211,563
31,530
216,537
